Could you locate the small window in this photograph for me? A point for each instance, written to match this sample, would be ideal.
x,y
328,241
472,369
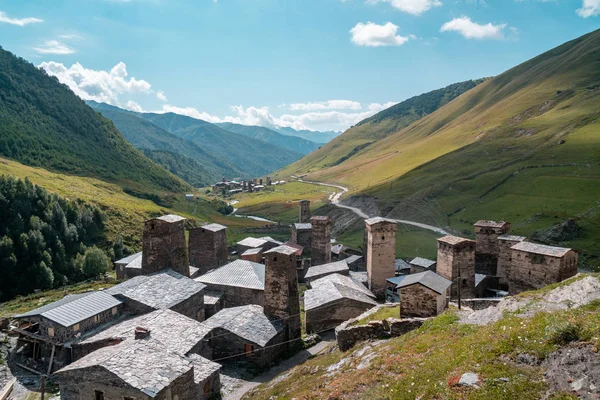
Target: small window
x,y
248,349
76,328
114,310
96,318
51,332
98,395
382,237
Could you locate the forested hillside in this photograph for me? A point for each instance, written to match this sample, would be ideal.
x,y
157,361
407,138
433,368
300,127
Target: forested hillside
x,y
44,239
43,123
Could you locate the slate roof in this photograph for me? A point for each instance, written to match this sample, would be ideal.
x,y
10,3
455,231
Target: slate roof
x,y
428,279
491,224
160,290
342,280
401,265
240,273
283,249
359,276
299,248
479,278
541,249
422,262
320,218
512,238
75,308
325,269
271,240
214,227
330,292
136,262
212,297
171,218
143,364
128,259
338,248
203,368
303,226
252,251
453,240
377,220
252,242
352,259
248,322
176,332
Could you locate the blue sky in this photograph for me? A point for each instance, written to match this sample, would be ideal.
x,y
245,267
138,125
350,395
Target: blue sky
x,y
316,64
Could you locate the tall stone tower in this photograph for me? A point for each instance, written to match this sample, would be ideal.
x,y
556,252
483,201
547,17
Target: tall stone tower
x,y
381,253
208,247
456,256
321,240
281,298
164,245
304,211
505,242
487,248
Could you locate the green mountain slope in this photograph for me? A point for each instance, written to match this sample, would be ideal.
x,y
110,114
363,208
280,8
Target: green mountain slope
x,y
183,157
364,134
43,123
293,143
523,146
251,156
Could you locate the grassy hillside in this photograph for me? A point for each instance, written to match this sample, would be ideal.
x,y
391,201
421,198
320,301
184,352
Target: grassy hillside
x,y
43,123
188,160
292,143
427,363
523,146
363,135
250,156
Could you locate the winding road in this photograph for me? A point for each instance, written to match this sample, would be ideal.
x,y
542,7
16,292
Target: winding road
x,y
335,200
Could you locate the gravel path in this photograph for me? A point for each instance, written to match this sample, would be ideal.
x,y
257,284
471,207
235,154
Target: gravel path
x,y
335,199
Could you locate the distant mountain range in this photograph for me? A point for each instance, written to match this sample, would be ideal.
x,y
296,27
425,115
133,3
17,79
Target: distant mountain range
x,y
321,137
200,152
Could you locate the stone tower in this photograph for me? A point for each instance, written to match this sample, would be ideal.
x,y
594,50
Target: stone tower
x,y
321,240
164,245
381,253
505,242
456,256
487,247
304,212
281,298
208,247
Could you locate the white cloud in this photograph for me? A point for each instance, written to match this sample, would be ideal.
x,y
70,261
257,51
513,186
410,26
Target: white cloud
x,y
373,35
133,106
161,95
98,85
54,47
326,105
70,36
414,7
190,112
473,30
589,8
19,22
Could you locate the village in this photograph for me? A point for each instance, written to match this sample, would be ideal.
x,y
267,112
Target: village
x,y
186,308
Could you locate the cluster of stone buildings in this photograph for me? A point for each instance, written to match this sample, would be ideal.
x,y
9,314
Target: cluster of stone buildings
x,y
185,307
239,186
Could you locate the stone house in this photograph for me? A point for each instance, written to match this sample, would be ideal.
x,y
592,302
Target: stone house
x,y
165,246
486,247
139,369
245,333
302,234
266,243
338,252
320,246
536,265
208,247
240,282
420,264
425,294
505,242
334,299
159,291
213,302
355,262
125,267
402,267
381,253
487,286
177,333
456,258
49,329
254,255
319,271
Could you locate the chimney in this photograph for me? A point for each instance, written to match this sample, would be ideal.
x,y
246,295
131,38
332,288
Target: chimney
x,y
141,333
281,298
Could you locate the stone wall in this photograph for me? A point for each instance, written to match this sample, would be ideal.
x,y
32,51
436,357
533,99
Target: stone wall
x,y
304,211
480,304
234,296
303,237
504,260
533,271
420,301
63,334
207,248
192,307
164,247
330,316
381,254
451,259
321,240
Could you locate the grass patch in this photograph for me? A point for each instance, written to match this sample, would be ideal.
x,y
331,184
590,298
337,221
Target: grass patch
x,y
380,315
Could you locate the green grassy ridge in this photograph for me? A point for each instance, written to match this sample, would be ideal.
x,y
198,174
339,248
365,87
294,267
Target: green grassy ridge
x,y
426,363
43,123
